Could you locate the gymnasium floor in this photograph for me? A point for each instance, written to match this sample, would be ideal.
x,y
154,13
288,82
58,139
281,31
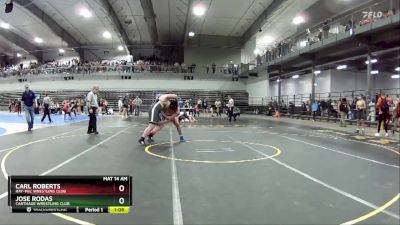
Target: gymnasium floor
x,y
254,171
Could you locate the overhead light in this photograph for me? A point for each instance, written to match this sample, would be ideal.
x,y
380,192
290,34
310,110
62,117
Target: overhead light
x,y
120,48
267,39
396,76
199,10
278,80
106,34
231,61
295,76
298,20
397,69
303,43
19,55
61,50
38,40
315,84
235,65
191,34
256,52
84,12
4,25
374,71
317,72
372,61
341,67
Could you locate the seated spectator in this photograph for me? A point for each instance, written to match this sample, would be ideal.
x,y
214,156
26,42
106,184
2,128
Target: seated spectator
x,y
368,20
349,26
390,12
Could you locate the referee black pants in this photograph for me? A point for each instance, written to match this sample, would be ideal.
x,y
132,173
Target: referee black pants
x,y
230,114
46,112
92,121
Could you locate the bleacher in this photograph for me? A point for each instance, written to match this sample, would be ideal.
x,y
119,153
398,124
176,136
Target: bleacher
x,y
112,96
299,113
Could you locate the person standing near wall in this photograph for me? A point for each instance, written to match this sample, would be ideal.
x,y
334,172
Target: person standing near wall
x,y
93,105
125,106
343,109
29,98
361,111
199,106
18,107
218,105
314,107
138,104
230,105
396,115
10,104
383,113
46,107
120,106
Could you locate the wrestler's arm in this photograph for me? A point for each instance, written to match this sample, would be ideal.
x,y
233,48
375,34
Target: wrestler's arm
x,y
176,114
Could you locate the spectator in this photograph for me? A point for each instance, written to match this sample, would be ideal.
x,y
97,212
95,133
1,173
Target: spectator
x,y
368,20
304,108
18,107
199,106
205,107
10,104
390,12
383,114
218,106
181,103
105,107
343,108
396,116
314,107
183,67
230,106
176,67
213,68
325,28
125,106
138,103
372,111
349,26
67,109
361,111
320,34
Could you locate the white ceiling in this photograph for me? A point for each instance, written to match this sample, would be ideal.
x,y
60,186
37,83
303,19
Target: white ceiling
x,y
223,17
29,26
227,17
87,31
170,19
8,48
280,26
131,11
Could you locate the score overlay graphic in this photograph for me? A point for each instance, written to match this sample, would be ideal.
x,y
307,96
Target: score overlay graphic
x,y
70,194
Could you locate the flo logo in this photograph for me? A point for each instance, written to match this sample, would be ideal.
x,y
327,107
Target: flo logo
x,y
373,15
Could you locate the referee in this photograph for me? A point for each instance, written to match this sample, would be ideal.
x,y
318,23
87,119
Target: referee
x,y
46,109
93,105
